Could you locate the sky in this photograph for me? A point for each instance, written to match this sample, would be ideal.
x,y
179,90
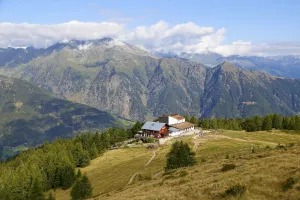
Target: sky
x,y
256,27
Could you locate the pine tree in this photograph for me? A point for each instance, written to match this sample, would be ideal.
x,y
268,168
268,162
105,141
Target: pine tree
x,y
82,189
93,151
193,120
249,125
68,176
180,156
277,121
258,122
186,118
267,123
286,123
36,190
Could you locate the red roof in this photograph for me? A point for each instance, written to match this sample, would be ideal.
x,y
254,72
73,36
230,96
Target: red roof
x,y
176,116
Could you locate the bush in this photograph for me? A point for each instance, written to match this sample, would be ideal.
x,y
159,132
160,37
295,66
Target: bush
x,y
228,167
236,190
288,184
149,140
183,173
180,156
227,156
267,147
146,177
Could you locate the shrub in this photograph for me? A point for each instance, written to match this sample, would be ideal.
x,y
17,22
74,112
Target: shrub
x,y
180,156
228,167
280,146
146,177
288,184
291,144
169,172
149,140
183,173
236,190
227,156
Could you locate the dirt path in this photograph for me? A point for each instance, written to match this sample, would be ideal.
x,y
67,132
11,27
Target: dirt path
x,y
132,178
154,154
246,140
134,175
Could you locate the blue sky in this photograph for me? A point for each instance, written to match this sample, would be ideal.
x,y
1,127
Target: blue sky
x,y
255,20
258,21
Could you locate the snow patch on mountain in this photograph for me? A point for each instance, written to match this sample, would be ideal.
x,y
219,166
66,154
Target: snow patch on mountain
x,y
85,46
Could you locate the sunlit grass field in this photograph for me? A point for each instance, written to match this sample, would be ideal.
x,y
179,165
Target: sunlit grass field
x,y
260,165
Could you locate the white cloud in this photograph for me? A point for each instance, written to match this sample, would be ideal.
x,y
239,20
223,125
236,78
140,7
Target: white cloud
x,y
186,37
39,35
262,49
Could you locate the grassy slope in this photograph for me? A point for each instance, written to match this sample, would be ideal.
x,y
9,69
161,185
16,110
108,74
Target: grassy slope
x,y
263,172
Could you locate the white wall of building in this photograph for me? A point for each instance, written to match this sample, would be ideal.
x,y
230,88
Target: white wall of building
x,y
172,120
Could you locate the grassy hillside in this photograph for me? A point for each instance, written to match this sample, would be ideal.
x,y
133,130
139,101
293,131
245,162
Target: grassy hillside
x,y
29,116
264,172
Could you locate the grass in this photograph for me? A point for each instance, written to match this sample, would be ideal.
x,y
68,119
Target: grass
x,y
261,175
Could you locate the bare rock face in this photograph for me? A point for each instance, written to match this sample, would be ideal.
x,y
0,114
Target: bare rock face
x,y
113,76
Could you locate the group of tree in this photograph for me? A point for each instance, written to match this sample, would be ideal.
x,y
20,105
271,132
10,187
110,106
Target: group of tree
x,y
52,165
251,124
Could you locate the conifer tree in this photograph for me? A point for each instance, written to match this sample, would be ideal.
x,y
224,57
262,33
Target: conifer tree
x,y
267,123
277,121
68,177
36,190
249,125
193,120
82,189
180,156
93,151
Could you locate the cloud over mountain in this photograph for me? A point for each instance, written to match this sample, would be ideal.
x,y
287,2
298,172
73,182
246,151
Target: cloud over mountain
x,y
161,36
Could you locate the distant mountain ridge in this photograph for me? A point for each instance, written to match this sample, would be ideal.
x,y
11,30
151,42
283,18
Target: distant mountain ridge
x,y
286,66
120,78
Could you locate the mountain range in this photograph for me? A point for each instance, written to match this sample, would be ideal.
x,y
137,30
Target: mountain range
x,y
116,77
285,66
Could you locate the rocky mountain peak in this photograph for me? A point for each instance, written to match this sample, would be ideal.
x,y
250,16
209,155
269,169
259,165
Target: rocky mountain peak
x,y
228,67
